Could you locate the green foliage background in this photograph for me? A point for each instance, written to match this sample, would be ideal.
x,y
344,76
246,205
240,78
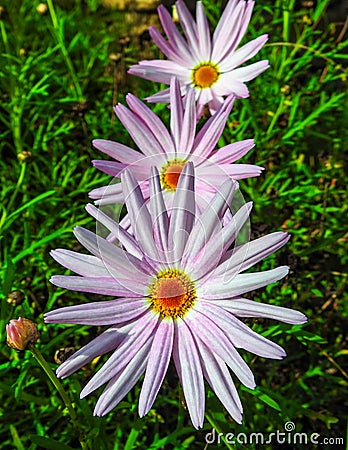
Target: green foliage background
x,y
60,74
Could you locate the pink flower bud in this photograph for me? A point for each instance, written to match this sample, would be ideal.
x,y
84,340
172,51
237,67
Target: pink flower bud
x,y
21,332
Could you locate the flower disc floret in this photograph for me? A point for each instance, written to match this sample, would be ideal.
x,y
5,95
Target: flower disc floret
x,y
172,294
170,174
205,75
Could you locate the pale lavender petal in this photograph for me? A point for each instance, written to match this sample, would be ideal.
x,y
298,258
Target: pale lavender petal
x,y
175,38
218,376
216,102
214,174
209,257
190,30
152,122
156,369
121,383
161,71
79,263
232,152
160,219
111,312
239,334
96,285
220,287
188,129
182,213
138,337
169,50
104,343
177,111
208,222
224,22
243,54
117,151
139,215
227,84
160,97
126,239
110,167
211,131
245,256
243,307
189,368
113,191
121,265
231,29
251,71
139,132
203,32
207,331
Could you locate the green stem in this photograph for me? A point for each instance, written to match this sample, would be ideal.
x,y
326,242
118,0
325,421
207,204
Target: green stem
x,y
57,384
68,62
14,195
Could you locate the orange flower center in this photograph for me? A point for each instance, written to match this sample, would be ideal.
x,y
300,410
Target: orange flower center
x,y
172,293
205,75
170,174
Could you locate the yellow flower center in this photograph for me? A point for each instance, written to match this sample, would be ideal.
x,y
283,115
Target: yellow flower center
x,y
170,174
205,75
172,294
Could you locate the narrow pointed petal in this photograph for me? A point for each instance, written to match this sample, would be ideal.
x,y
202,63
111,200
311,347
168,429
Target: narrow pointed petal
x,y
218,376
239,334
183,213
189,27
117,151
243,54
130,347
104,343
139,131
211,131
249,254
251,71
121,265
209,221
160,221
126,239
113,191
177,111
169,50
204,41
96,285
232,152
152,122
189,124
139,215
222,287
189,368
206,330
175,38
208,259
156,369
243,307
111,312
84,265
122,382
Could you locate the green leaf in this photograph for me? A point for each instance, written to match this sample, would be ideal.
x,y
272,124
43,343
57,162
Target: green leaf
x,y
48,443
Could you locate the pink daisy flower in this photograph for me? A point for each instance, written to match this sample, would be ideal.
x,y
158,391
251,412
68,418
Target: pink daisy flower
x,y
178,288
170,151
208,64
